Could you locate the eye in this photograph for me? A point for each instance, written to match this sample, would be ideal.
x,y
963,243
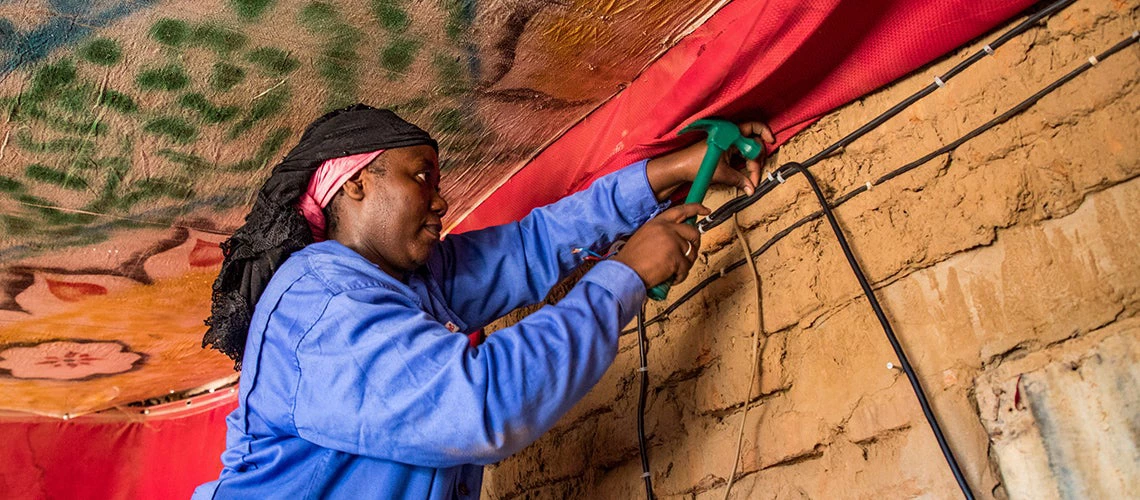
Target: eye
x,y
423,175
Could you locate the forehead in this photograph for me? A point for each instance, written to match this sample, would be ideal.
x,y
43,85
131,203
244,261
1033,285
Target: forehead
x,y
412,157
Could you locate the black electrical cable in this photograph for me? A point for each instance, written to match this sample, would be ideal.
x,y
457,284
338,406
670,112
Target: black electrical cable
x,y
743,202
1010,113
643,346
903,361
722,214
791,169
768,185
940,81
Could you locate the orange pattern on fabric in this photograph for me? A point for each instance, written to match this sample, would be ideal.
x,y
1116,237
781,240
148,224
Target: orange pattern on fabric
x,y
74,292
206,254
162,321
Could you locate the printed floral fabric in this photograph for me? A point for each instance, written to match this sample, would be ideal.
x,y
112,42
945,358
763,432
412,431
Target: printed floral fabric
x,y
68,360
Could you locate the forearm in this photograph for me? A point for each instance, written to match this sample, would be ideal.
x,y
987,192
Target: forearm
x,y
550,360
667,173
487,273
401,387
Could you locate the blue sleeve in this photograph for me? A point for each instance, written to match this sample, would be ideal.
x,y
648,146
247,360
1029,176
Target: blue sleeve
x,y
380,378
487,273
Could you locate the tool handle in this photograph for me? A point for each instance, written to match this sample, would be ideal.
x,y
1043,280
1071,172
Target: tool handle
x,y
661,291
696,195
704,177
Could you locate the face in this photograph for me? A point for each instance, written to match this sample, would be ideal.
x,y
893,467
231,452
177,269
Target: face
x,y
400,210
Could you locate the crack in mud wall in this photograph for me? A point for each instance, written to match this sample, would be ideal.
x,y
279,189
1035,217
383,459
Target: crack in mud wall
x,y
1019,243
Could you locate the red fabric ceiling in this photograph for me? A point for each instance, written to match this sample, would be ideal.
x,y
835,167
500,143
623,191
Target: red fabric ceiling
x,y
787,62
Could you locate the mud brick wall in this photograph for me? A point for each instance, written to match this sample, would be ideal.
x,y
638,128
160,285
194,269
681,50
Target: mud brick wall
x,y
1016,254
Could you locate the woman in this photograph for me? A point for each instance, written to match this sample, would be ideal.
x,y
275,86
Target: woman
x,y
357,379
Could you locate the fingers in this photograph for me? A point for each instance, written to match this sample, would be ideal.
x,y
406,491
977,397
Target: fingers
x,y
686,238
753,167
754,129
688,246
681,262
665,247
729,176
748,181
688,233
682,272
767,136
687,257
681,212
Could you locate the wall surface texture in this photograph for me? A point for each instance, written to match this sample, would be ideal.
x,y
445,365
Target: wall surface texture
x,y
1010,269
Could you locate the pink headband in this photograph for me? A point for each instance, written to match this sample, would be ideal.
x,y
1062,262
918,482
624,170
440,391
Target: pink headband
x,y
325,183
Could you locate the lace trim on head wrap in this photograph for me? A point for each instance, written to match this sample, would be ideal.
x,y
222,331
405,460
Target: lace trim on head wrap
x,y
275,227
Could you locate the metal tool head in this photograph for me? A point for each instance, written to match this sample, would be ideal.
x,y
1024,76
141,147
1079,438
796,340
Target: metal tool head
x,y
725,135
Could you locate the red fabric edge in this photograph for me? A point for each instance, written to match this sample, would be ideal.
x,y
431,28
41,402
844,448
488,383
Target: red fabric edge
x,y
787,62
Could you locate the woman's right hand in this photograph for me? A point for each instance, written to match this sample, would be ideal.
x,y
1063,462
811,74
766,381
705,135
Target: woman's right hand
x,y
665,247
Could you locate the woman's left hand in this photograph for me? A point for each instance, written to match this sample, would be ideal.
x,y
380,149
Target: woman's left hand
x,y
667,173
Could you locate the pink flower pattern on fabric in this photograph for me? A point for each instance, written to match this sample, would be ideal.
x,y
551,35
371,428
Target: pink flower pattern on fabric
x,y
68,360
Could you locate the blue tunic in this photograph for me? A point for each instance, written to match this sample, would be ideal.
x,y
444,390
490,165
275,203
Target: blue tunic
x,y
354,387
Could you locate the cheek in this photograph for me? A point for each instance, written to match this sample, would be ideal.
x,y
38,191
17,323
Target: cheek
x,y
395,208
411,209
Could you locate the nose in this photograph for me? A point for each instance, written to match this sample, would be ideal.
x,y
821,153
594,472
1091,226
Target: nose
x,y
438,204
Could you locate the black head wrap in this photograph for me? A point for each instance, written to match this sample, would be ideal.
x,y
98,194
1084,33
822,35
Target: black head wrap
x,y
275,228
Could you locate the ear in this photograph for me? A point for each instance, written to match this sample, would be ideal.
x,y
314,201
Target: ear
x,y
354,187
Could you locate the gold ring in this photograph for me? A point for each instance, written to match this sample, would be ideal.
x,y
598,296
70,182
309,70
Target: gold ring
x,y
690,249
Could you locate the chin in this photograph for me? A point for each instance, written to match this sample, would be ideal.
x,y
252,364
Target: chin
x,y
420,258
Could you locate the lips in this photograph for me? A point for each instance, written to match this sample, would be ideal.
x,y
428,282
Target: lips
x,y
434,229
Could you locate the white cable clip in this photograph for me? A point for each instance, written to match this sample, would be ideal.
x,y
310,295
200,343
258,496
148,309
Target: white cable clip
x,y
1136,34
644,474
988,50
1093,60
869,185
938,81
780,177
643,368
770,178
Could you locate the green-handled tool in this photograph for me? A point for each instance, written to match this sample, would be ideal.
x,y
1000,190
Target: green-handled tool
x,y
722,136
